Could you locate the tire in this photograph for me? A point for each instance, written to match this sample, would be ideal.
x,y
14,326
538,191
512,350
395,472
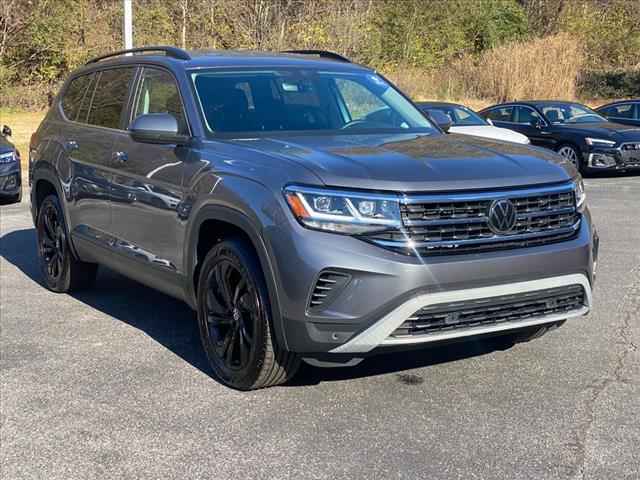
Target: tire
x,y
508,340
234,317
572,154
61,271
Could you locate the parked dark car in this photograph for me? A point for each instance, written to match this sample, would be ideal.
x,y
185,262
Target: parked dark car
x,y
579,134
10,172
626,112
304,208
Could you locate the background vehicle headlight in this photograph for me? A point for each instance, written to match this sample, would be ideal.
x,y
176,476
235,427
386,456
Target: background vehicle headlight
x,y
7,157
599,142
581,195
343,212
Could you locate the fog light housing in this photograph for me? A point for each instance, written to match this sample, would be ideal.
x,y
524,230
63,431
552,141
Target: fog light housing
x,y
11,182
602,160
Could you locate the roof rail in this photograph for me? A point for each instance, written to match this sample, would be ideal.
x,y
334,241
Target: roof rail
x,y
320,53
168,51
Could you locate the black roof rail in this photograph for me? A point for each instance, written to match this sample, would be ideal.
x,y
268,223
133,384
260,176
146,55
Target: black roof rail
x,y
320,53
168,51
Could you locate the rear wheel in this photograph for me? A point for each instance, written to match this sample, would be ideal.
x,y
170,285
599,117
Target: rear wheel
x,y
235,322
62,272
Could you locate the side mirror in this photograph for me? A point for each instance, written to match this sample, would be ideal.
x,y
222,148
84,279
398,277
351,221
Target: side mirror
x,y
159,128
441,119
6,131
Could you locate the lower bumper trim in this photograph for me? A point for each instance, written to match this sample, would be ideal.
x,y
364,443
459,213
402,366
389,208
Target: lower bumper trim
x,y
379,333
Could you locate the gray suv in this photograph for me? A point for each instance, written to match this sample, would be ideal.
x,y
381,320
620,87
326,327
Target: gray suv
x,y
304,208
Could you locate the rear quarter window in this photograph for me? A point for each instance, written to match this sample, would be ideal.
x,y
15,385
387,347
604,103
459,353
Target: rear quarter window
x,y
74,95
110,97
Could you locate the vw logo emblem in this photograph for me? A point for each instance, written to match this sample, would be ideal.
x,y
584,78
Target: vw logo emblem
x,y
502,216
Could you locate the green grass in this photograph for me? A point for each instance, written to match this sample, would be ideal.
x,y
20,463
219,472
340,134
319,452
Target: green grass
x,y
22,124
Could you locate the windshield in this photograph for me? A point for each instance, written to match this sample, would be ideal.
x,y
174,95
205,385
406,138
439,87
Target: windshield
x,y
562,113
460,116
285,100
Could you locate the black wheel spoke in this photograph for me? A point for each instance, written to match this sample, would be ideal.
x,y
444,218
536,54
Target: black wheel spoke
x,y
231,308
228,354
238,290
244,347
220,274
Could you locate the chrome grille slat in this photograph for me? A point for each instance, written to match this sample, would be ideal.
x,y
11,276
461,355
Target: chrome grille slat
x,y
458,223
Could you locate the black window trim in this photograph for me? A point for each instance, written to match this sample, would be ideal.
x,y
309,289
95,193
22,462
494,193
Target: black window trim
x,y
98,73
137,85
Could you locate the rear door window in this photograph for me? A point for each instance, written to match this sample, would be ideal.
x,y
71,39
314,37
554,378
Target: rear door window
x,y
76,93
110,97
501,114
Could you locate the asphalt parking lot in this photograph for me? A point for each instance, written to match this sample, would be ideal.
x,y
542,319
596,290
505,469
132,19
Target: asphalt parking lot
x,y
113,383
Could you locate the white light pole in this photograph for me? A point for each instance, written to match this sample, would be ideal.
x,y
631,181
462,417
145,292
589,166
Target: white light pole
x,y
127,27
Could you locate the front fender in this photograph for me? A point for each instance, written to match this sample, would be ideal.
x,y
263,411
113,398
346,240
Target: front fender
x,y
236,217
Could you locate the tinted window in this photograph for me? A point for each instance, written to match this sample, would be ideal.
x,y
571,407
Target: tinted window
x,y
74,95
159,94
110,97
460,116
502,114
570,113
527,116
621,111
303,100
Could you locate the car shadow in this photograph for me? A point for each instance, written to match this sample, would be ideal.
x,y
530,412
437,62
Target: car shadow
x,y
173,324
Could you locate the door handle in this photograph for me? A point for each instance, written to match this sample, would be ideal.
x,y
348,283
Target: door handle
x,y
119,157
71,145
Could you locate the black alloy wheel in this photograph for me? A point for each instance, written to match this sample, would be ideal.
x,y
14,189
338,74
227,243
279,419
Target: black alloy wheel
x,y
62,272
235,321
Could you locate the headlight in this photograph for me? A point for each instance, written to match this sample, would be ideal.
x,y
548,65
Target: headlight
x,y
580,194
599,142
7,157
343,212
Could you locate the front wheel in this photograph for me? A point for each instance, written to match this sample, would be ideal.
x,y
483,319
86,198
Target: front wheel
x,y
571,153
235,322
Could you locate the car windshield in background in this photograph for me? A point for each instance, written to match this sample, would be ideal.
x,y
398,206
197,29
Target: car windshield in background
x,y
564,113
460,116
250,102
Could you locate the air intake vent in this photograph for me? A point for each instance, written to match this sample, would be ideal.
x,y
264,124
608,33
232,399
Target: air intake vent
x,y
328,286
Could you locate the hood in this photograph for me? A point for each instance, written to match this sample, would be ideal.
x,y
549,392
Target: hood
x,y
415,162
606,130
489,131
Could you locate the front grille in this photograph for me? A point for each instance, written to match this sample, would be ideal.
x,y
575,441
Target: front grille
x,y
493,310
328,285
459,223
630,154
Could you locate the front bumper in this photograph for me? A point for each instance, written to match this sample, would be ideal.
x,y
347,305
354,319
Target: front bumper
x,y
619,158
383,287
10,180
